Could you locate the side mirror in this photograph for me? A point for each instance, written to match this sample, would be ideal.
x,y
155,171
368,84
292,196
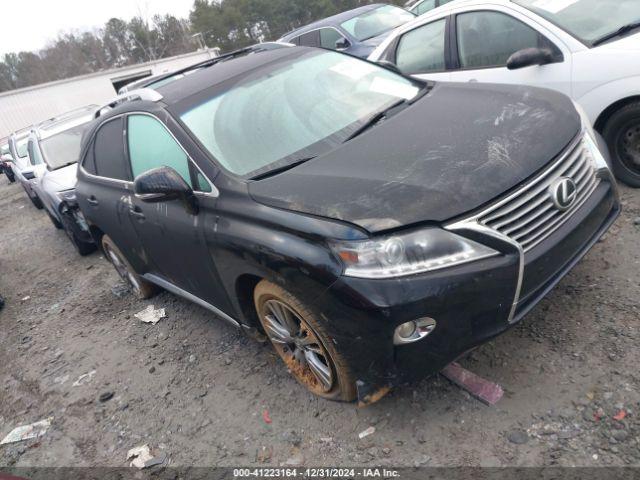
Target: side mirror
x,y
389,66
529,57
162,185
342,44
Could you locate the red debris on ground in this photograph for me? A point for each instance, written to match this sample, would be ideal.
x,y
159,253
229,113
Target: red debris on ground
x,y
620,415
484,390
266,417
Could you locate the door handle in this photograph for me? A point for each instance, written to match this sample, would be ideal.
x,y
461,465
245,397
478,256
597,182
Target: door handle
x,y
137,212
93,201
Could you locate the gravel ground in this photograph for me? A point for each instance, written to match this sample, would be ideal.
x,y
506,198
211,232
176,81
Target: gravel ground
x,y
195,389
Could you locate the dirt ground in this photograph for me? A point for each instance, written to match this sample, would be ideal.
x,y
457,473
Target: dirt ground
x,y
196,389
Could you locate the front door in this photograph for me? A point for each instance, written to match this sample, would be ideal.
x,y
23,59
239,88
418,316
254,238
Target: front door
x,y
173,238
485,39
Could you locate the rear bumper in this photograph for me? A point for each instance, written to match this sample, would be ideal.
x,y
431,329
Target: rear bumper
x,y
471,304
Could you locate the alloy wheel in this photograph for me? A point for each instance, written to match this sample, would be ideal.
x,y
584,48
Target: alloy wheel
x,y
122,269
299,346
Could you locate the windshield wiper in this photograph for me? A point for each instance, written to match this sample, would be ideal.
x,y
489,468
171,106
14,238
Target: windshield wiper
x,y
283,168
621,31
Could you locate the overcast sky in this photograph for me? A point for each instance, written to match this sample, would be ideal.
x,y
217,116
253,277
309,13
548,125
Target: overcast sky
x,y
30,24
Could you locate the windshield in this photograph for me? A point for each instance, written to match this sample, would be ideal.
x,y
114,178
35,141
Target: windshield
x,y
376,22
588,20
63,149
22,147
293,109
4,149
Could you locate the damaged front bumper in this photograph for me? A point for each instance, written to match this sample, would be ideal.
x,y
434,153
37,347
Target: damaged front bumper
x,y
471,304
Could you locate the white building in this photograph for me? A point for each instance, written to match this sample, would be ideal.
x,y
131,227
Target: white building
x,y
27,106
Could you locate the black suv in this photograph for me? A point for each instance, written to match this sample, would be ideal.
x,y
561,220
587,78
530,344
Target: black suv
x,y
372,226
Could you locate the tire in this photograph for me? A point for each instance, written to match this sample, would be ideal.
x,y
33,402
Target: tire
x,y
139,286
36,202
82,247
622,134
54,220
280,314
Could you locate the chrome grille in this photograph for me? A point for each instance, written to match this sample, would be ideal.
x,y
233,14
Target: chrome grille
x,y
529,215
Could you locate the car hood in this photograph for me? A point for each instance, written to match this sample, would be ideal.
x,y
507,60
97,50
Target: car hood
x,y
453,151
61,179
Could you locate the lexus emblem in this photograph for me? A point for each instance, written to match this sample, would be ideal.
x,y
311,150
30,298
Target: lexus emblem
x,y
563,193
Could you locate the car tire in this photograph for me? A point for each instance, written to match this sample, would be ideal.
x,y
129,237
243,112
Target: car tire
x,y
622,134
36,202
303,344
139,286
82,247
54,220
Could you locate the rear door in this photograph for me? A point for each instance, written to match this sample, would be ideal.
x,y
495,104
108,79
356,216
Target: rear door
x,y
106,188
483,40
173,238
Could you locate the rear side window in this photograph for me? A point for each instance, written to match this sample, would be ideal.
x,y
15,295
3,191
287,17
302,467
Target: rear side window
x,y
422,50
152,146
311,39
108,151
488,39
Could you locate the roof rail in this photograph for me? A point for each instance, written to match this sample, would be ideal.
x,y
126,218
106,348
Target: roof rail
x,y
144,94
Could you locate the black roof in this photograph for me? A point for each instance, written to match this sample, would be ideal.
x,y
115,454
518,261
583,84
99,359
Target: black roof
x,y
332,21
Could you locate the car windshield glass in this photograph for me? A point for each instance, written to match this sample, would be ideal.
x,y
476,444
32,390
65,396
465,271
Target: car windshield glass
x,y
588,20
63,148
22,147
376,22
292,109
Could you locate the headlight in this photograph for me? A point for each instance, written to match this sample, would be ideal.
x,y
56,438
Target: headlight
x,y
67,195
407,254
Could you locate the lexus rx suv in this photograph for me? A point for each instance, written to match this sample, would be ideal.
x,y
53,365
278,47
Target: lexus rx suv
x,y
373,226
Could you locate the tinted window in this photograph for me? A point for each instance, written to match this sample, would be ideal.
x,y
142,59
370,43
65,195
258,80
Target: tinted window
x,y
422,50
329,37
109,151
488,39
152,146
311,39
294,109
424,7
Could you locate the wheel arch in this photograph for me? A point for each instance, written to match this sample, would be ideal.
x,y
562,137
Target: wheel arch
x,y
97,235
608,112
245,285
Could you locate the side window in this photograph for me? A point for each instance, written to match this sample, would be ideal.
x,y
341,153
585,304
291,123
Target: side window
x,y
443,2
488,39
422,50
108,151
35,157
424,7
152,146
311,39
329,37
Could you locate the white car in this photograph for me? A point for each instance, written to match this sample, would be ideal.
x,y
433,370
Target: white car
x,y
587,49
26,170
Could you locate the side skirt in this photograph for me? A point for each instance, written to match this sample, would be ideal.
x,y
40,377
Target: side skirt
x,y
192,298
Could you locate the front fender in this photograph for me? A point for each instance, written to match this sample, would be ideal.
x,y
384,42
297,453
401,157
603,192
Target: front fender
x,y
597,100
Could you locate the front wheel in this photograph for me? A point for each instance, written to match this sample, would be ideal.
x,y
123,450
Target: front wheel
x,y
36,201
302,343
622,134
140,287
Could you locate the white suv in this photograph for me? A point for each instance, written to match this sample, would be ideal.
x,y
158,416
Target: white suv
x,y
587,49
